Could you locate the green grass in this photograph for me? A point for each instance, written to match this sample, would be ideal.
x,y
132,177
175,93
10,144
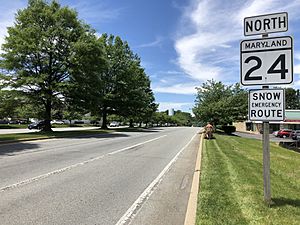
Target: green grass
x,y
13,126
45,135
231,183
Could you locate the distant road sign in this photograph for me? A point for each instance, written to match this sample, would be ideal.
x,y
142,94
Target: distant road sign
x,y
263,24
266,105
267,61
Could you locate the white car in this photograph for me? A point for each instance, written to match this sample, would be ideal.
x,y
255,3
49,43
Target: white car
x,y
57,122
114,124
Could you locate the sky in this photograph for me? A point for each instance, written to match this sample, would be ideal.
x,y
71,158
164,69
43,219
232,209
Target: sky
x,y
182,43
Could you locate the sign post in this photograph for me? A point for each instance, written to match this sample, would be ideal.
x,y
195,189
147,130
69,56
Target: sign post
x,y
266,61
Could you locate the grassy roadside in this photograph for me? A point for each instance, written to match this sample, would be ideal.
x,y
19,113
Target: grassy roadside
x,y
24,126
231,188
46,135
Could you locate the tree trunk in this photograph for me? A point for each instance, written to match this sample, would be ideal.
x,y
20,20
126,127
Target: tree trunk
x,y
48,108
131,123
140,125
104,119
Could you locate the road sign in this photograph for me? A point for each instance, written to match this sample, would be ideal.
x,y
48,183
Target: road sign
x,y
266,105
267,61
264,24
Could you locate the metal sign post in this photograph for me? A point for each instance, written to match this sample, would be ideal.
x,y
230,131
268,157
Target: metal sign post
x,y
266,155
266,61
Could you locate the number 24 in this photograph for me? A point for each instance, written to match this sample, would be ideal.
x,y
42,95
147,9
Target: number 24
x,y
280,60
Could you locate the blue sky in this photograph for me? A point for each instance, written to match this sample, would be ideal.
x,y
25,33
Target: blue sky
x,y
182,43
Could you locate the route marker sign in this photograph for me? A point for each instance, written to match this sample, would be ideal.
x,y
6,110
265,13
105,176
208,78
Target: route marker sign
x,y
266,105
265,24
267,61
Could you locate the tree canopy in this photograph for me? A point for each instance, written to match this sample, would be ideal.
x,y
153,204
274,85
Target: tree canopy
x,y
220,104
38,51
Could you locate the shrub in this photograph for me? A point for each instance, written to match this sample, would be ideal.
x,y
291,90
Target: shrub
x,y
228,129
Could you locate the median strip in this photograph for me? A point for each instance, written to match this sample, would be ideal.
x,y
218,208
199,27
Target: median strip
x,y
30,180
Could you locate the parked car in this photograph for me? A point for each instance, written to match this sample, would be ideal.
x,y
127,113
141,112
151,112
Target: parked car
x,y
37,125
275,133
295,134
284,133
57,122
114,124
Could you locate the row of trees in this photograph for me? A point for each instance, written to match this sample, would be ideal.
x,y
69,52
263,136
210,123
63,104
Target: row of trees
x,y
55,64
223,104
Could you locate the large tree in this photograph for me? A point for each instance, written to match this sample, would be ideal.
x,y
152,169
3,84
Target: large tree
x,y
292,99
220,104
125,86
40,49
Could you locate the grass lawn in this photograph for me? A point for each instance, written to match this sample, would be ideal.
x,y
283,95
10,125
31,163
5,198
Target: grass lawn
x,y
55,134
231,183
13,126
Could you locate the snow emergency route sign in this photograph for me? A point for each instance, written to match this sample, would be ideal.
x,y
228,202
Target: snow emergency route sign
x,y
266,105
267,61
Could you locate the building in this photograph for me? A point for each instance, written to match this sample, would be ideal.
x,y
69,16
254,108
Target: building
x,y
292,121
171,112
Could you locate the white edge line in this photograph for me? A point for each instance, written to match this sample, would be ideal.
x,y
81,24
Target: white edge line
x,y
30,180
132,211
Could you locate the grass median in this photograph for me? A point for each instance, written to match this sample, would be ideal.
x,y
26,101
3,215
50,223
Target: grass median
x,y
47,135
231,187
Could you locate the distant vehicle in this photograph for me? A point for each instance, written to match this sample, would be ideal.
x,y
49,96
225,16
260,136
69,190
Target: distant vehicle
x,y
275,133
13,122
284,133
4,122
57,122
295,134
37,125
114,124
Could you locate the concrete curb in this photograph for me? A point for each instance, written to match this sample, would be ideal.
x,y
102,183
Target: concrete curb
x,y
190,216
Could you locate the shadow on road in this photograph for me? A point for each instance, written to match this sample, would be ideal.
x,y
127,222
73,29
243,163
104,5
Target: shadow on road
x,y
150,130
22,146
10,149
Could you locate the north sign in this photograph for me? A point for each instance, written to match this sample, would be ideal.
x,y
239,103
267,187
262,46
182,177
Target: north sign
x,y
264,24
267,61
266,105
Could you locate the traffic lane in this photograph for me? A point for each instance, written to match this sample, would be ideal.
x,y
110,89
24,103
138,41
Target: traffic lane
x,y
259,137
42,157
99,192
168,203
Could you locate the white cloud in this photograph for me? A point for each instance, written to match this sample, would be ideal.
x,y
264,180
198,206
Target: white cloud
x,y
155,43
208,42
184,106
297,69
297,56
185,89
95,13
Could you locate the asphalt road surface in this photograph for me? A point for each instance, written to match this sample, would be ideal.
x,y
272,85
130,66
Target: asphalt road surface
x,y
259,137
118,178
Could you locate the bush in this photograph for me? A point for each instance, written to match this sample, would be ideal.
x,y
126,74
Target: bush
x,y
228,129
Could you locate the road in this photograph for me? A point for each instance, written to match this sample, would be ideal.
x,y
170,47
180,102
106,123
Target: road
x,y
136,177
259,137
